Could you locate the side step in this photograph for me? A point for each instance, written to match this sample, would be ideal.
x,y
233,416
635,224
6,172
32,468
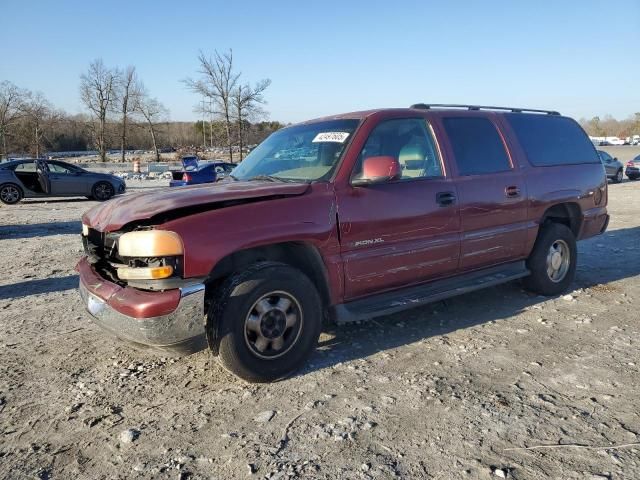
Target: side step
x,y
398,300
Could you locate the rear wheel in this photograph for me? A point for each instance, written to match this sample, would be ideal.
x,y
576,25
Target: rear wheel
x,y
10,193
267,320
618,177
103,191
553,260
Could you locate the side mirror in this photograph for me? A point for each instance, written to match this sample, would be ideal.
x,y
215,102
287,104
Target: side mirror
x,y
378,170
615,159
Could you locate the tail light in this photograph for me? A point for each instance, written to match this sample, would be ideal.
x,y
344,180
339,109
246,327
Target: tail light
x,y
186,177
630,163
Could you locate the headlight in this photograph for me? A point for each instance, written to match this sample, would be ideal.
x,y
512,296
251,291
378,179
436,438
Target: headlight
x,y
150,243
145,273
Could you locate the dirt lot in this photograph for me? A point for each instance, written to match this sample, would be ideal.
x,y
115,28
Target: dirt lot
x,y
454,390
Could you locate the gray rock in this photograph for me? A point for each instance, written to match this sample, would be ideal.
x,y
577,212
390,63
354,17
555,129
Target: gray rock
x,y
129,436
264,417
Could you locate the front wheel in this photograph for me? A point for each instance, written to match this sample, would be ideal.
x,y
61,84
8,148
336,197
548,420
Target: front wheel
x,y
103,191
10,194
552,261
267,320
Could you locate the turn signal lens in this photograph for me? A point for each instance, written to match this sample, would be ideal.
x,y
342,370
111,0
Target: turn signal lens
x,y
150,243
145,273
85,230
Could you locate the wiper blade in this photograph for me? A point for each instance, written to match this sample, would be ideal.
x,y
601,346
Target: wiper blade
x,y
269,178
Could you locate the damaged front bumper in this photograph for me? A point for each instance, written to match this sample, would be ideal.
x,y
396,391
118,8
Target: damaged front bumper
x,y
172,320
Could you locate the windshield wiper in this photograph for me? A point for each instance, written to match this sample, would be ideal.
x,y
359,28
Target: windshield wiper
x,y
268,178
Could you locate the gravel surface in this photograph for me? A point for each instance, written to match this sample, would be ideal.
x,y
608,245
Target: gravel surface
x,y
493,384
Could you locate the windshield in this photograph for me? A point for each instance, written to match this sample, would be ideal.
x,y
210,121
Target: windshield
x,y
301,153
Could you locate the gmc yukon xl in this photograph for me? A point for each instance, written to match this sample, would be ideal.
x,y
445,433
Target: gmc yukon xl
x,y
345,218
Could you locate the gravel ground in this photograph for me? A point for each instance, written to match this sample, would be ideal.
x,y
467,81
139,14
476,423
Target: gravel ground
x,y
493,384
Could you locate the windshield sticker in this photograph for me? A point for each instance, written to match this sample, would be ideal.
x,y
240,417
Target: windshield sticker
x,y
338,137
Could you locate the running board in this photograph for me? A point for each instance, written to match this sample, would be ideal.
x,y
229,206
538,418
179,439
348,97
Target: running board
x,y
410,297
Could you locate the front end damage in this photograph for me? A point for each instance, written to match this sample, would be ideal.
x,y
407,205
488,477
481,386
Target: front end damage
x,y
164,313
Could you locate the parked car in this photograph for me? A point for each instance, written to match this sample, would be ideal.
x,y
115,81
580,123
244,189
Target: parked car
x,y
612,166
31,178
347,217
195,172
633,168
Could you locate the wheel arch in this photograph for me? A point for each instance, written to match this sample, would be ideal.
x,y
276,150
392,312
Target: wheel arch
x,y
567,213
301,255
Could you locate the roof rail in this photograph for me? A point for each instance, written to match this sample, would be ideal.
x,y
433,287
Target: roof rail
x,y
429,106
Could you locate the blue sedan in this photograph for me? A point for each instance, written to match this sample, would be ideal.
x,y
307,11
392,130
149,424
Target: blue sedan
x,y
202,173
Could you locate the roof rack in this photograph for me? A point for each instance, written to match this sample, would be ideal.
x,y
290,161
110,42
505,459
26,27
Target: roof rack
x,y
425,106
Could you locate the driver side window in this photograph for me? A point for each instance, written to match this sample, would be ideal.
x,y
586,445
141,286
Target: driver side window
x,y
408,140
57,168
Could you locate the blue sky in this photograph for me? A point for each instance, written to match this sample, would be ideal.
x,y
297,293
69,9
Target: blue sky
x,y
579,57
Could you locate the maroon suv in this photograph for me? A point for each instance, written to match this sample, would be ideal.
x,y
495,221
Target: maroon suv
x,y
346,217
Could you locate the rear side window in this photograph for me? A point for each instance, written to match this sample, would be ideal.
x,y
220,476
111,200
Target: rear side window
x,y
477,146
552,140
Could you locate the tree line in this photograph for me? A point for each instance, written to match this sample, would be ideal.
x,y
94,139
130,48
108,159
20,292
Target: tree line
x,y
121,113
611,127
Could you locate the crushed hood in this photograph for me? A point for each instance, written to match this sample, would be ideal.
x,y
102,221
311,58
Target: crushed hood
x,y
116,213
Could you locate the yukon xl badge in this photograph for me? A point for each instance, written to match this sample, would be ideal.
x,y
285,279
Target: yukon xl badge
x,y
369,241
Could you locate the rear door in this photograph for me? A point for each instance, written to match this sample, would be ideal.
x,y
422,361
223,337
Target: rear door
x,y
492,191
405,231
43,176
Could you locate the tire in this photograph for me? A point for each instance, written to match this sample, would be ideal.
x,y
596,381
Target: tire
x,y
248,323
102,191
545,279
618,177
10,193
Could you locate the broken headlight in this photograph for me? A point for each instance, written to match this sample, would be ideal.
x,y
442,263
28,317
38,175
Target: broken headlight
x,y
150,254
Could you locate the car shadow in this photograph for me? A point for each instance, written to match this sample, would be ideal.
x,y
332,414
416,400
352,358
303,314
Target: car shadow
x,y
38,286
32,230
33,201
601,260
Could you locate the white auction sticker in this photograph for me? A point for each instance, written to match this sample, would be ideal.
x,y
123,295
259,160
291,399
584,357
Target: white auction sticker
x,y
338,137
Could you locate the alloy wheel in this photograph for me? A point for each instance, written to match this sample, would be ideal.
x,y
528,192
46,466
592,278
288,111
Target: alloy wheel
x,y
10,194
558,261
273,325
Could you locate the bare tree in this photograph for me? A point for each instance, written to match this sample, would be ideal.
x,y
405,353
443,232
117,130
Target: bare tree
x,y
127,91
97,92
217,83
247,103
153,113
40,114
11,100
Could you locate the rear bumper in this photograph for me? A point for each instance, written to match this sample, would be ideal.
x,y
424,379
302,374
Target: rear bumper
x,y
632,172
175,329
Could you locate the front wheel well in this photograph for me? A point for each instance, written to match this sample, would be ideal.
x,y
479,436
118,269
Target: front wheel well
x,y
300,255
568,214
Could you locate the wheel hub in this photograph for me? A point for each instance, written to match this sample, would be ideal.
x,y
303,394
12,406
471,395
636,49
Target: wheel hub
x,y
556,260
273,323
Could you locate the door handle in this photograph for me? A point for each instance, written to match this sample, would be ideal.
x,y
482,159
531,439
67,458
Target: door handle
x,y
445,199
512,191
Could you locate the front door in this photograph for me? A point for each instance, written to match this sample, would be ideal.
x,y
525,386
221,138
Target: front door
x,y
403,231
492,193
65,180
